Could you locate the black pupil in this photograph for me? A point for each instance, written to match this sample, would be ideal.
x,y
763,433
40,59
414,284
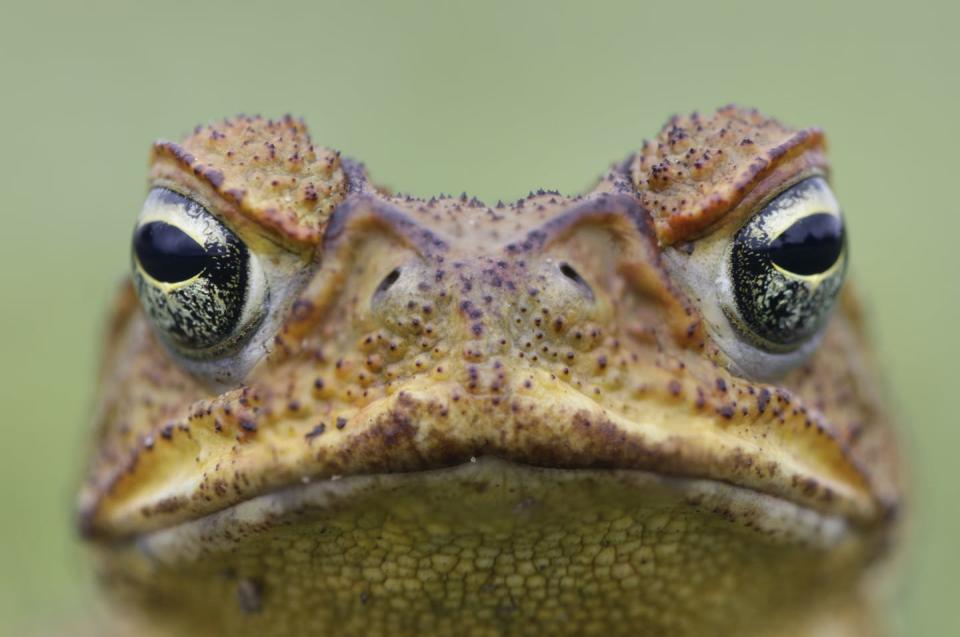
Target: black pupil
x,y
809,246
167,253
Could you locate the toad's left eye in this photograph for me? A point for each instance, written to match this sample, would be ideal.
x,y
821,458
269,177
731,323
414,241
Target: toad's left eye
x,y
197,281
786,266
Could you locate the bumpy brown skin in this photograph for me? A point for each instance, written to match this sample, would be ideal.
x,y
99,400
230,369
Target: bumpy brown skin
x,y
654,475
699,169
268,171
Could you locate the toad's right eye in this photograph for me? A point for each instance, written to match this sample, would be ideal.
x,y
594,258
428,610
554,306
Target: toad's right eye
x,y
197,281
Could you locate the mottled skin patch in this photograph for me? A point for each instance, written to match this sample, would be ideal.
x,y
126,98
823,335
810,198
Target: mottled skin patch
x,y
265,170
698,167
639,487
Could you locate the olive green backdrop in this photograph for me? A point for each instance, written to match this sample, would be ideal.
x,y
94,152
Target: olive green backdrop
x,y
495,98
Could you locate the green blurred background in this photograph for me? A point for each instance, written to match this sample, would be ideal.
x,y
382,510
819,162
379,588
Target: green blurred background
x,y
495,98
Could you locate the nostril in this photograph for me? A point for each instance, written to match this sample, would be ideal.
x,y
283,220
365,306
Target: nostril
x,y
571,274
387,282
568,271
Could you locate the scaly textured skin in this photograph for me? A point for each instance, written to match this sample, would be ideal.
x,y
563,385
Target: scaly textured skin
x,y
639,487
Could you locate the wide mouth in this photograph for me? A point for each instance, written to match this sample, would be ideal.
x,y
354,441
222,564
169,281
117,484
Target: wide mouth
x,y
489,488
428,427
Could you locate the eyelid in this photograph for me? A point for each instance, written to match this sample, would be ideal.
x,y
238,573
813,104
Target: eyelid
x,y
811,195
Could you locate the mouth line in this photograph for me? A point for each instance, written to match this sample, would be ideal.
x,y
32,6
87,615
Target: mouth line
x,y
774,518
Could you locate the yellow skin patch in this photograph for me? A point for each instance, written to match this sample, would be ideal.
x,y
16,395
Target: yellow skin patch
x,y
489,420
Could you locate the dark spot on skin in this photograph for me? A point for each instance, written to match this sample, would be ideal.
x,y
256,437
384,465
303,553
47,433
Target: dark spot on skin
x,y
674,387
763,399
301,309
341,422
248,425
250,596
701,400
168,505
316,431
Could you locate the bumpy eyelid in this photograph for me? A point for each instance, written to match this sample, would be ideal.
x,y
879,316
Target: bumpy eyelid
x,y
763,193
254,235
756,197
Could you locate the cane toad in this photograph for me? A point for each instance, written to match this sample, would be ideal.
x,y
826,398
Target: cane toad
x,y
649,409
